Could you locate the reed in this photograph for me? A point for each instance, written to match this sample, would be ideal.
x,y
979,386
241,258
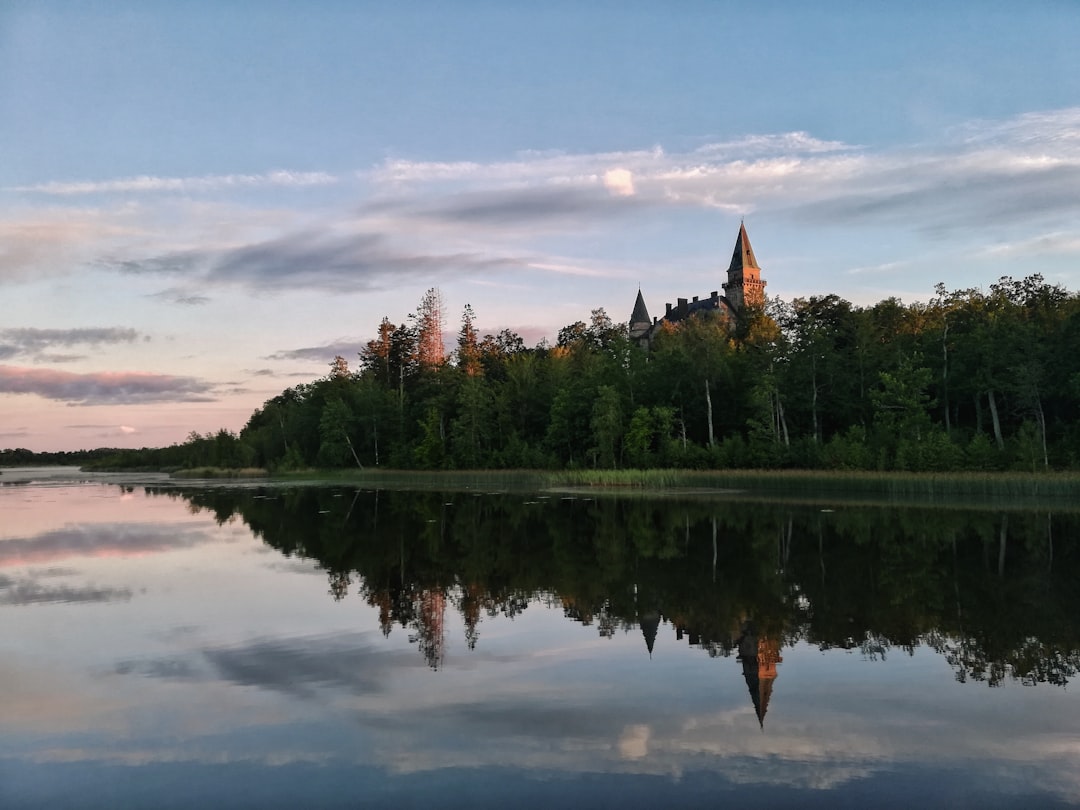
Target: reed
x,y
933,486
522,480
772,484
221,472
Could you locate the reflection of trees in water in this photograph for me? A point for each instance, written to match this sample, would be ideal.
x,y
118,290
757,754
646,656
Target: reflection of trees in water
x,y
989,591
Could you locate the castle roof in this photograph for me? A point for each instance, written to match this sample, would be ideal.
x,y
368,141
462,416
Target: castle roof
x,y
641,312
744,254
650,623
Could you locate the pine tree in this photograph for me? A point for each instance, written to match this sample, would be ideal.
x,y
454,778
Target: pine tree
x,y
429,329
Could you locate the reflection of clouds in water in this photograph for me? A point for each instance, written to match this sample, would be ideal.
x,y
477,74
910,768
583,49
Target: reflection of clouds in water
x,y
100,540
291,565
408,721
296,666
634,742
137,756
299,665
28,591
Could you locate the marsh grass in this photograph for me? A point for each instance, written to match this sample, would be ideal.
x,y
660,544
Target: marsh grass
x,y
447,480
802,484
221,472
954,489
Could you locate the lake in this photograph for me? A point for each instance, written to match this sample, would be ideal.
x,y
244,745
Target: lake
x,y
176,644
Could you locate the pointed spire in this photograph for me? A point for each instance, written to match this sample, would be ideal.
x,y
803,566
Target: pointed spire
x,y
650,623
641,312
743,256
759,656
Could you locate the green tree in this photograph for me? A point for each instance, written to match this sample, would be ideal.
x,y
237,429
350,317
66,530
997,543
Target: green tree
x,y
336,447
607,428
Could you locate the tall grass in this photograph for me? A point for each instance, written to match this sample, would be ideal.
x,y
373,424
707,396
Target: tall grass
x,y
1062,488
220,472
525,480
924,486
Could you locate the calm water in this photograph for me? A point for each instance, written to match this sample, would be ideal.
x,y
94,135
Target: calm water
x,y
171,646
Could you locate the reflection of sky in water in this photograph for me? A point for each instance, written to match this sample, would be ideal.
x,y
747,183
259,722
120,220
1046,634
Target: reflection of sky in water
x,y
181,661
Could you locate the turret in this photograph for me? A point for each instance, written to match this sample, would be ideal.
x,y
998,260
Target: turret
x,y
744,286
640,322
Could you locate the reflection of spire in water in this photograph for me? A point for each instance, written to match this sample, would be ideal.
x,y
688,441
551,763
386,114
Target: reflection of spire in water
x,y
759,657
650,623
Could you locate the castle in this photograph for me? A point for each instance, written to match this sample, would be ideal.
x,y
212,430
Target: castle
x,y
743,288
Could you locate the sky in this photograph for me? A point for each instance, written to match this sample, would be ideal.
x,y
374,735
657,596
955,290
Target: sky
x,y
202,203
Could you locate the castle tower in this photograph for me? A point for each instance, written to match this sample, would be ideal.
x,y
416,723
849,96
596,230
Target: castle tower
x,y
759,656
744,287
650,623
640,322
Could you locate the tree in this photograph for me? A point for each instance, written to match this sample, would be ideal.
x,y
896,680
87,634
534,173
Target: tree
x,y
496,351
375,357
429,330
606,424
336,446
901,404
339,368
468,349
471,431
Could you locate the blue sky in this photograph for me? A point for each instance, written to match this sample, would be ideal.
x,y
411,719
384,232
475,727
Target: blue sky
x,y
201,203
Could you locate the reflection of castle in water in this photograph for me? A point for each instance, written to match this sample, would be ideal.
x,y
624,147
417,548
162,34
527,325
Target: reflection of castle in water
x,y
426,611
633,564
759,656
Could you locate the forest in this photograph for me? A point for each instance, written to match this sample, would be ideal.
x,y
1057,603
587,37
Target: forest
x,y
971,380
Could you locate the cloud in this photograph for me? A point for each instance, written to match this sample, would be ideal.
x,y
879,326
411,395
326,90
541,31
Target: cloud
x,y
175,263
344,347
352,263
885,267
434,221
1055,243
664,174
1060,126
106,431
533,207
319,260
784,142
205,183
34,342
620,182
176,295
57,241
103,387
561,168
980,177
938,199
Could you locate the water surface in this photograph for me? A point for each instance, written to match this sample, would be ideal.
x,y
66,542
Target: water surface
x,y
176,646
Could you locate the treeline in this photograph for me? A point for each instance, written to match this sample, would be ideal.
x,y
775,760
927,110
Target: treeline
x,y
971,380
21,457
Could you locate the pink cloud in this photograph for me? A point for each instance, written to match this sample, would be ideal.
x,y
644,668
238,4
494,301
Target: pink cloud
x,y
103,387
